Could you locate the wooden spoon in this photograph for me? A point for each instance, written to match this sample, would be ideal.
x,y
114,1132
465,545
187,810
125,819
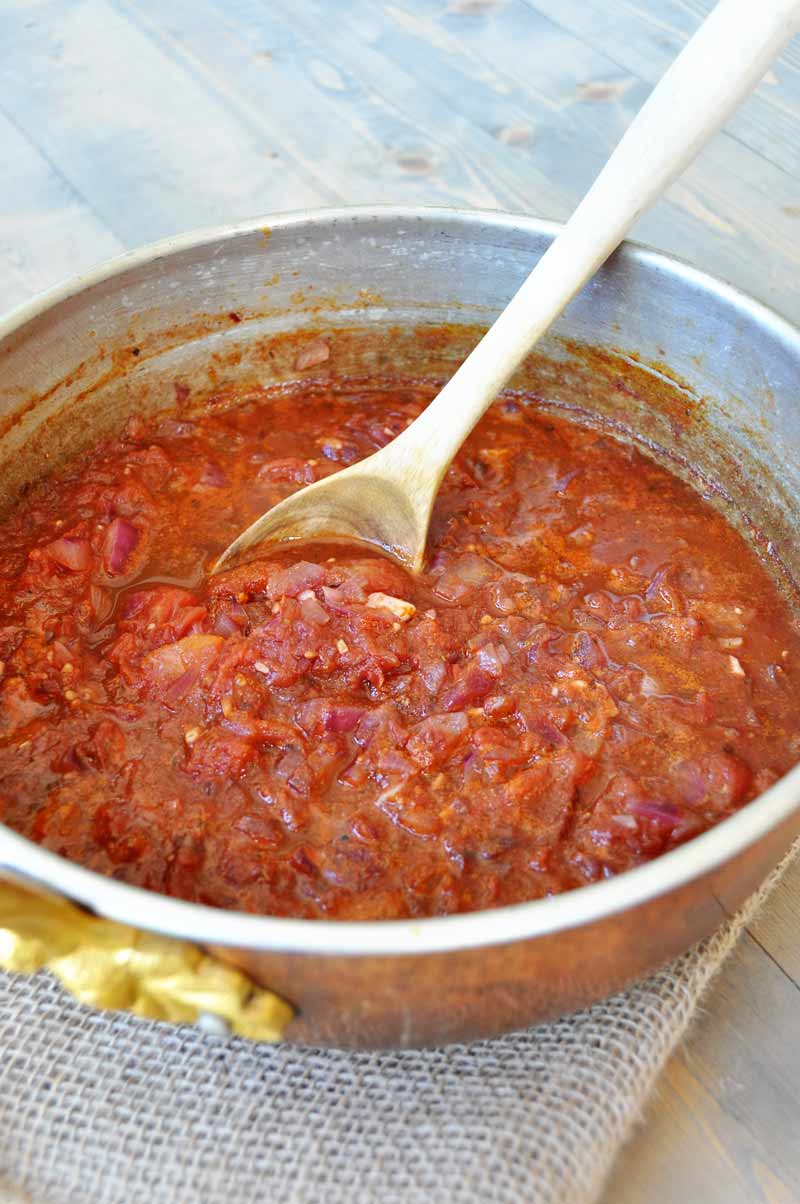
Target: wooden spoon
x,y
386,500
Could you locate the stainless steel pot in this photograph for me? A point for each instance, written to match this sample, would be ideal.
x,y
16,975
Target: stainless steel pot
x,y
705,374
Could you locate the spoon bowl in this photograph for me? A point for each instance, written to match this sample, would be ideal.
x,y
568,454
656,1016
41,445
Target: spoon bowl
x,y
371,503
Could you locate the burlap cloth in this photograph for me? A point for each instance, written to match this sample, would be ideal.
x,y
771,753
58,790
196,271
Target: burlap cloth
x,y
106,1109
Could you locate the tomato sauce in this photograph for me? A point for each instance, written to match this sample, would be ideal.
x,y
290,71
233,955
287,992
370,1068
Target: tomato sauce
x,y
593,668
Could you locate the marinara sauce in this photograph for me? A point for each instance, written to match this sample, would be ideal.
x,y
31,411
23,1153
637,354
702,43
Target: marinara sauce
x,y
593,668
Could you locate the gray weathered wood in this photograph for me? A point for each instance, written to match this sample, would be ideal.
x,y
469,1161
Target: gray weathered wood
x,y
725,1125
48,231
777,931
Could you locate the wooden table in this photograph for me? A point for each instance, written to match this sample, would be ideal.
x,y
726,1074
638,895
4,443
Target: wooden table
x,y
122,121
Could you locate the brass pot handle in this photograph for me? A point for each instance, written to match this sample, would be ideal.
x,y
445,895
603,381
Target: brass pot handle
x,y
110,965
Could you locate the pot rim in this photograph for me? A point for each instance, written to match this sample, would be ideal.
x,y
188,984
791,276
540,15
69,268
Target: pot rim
x,y
26,861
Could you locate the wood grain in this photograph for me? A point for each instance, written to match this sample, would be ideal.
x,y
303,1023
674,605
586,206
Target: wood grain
x,y
724,1126
48,231
777,930
122,121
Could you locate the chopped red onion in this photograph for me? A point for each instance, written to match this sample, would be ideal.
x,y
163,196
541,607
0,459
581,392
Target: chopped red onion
x,y
213,476
473,686
71,553
433,675
434,738
225,625
312,611
343,718
238,613
180,687
319,715
291,581
493,658
121,538
661,813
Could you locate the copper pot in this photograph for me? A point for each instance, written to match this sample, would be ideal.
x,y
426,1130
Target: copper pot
x,y
659,350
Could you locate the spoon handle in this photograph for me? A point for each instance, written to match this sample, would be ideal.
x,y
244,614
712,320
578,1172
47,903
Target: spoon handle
x,y
718,67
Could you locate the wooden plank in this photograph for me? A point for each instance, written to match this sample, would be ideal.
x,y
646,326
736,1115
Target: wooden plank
x,y
777,930
732,212
47,230
643,38
240,65
366,121
470,67
126,125
723,1127
342,104
322,115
